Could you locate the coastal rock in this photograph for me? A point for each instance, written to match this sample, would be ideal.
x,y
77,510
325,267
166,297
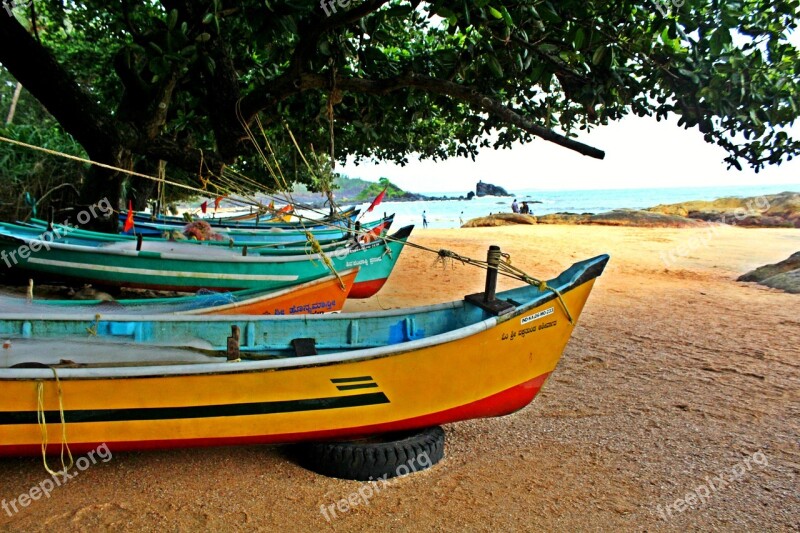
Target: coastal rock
x,y
784,275
620,217
487,189
500,219
769,211
564,218
787,282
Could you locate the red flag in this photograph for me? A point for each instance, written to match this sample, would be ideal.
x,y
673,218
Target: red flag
x,y
374,233
377,200
129,219
204,206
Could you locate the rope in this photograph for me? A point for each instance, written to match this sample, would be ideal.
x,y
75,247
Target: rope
x,y
40,418
504,267
317,249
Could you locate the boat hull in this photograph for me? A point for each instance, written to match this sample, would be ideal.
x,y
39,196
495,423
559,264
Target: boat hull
x,y
323,295
494,367
185,267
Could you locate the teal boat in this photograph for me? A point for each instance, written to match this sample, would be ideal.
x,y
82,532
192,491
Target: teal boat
x,y
256,236
343,218
69,234
186,267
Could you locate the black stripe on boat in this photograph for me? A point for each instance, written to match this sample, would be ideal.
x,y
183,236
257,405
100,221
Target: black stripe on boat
x,y
351,380
359,386
197,411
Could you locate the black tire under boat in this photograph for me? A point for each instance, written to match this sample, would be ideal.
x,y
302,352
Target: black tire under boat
x,y
386,456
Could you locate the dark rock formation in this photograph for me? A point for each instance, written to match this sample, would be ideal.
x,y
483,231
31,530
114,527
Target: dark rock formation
x,y
784,275
487,189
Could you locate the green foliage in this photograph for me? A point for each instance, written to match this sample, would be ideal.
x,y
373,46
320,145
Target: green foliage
x,y
725,68
23,170
372,190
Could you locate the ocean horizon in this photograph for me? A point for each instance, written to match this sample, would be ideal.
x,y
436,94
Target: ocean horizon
x,y
443,214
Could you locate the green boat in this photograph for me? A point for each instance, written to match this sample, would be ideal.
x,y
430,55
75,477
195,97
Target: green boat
x,y
186,267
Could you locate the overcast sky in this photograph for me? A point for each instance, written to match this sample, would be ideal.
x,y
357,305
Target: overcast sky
x,y
640,153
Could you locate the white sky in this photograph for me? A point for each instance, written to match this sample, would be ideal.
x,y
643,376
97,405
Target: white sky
x,y
640,153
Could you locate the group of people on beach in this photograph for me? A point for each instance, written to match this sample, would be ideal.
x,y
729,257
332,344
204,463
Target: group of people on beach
x,y
516,208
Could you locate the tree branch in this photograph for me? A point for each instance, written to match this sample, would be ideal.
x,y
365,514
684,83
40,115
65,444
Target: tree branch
x,y
283,88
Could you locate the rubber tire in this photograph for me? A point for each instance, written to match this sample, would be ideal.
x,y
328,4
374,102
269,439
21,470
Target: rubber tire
x,y
365,461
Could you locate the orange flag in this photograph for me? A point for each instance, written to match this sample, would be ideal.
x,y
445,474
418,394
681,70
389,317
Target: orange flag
x,y
217,201
377,200
129,219
204,206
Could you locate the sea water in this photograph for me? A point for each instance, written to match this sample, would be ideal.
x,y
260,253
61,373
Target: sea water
x,y
452,213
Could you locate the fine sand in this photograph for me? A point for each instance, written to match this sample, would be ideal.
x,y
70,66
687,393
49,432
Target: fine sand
x,y
676,381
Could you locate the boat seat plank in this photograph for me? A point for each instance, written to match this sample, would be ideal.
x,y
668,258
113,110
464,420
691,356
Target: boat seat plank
x,y
304,347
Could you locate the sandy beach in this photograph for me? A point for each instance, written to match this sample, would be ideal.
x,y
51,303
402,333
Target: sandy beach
x,y
678,381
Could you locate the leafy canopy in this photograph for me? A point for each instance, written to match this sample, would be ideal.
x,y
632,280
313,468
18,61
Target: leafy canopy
x,y
165,80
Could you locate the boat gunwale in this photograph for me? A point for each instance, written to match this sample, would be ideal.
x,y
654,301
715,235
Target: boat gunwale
x,y
244,296
588,270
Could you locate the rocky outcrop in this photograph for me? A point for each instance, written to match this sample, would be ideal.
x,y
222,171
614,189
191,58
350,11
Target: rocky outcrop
x,y
618,217
769,211
784,275
500,219
487,189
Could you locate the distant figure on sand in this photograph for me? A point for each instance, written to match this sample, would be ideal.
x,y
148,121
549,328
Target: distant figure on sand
x,y
524,209
424,220
461,218
514,206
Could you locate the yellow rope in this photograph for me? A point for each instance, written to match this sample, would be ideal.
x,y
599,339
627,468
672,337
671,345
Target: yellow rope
x,y
504,267
317,249
41,419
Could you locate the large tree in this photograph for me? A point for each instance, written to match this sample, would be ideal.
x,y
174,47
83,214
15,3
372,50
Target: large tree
x,y
137,81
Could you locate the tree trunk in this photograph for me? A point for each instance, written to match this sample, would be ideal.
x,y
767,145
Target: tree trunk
x,y
104,185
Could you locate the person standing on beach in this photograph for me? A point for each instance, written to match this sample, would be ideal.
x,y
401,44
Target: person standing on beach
x,y
424,220
514,206
461,218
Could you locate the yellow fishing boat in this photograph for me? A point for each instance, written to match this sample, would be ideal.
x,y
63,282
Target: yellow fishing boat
x,y
167,381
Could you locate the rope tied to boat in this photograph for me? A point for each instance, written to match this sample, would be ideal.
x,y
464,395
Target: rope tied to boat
x,y
41,420
504,267
317,249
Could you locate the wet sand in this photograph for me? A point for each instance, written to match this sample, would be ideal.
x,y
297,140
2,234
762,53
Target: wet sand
x,y
675,379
